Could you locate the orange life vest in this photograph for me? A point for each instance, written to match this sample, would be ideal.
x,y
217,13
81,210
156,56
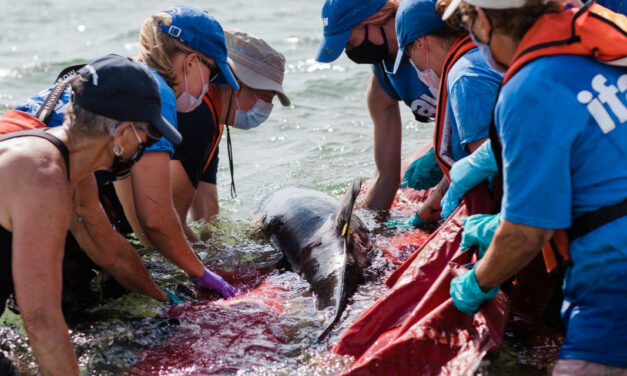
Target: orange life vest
x,y
212,99
441,144
15,120
590,31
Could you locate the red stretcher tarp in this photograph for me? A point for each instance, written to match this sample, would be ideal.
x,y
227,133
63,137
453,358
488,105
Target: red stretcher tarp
x,y
415,329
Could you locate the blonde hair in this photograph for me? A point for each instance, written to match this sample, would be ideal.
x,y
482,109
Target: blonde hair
x,y
158,50
384,14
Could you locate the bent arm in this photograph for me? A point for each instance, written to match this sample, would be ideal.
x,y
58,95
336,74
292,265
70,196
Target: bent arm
x,y
108,248
512,248
148,194
386,117
182,194
205,205
432,208
37,264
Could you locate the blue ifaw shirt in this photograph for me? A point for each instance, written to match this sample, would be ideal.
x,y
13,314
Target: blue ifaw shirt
x,y
562,121
406,86
472,90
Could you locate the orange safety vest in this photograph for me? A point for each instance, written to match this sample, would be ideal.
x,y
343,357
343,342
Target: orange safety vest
x,y
15,120
590,31
441,144
212,100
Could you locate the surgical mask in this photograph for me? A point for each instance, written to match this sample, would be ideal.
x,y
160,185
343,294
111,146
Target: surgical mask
x,y
485,50
368,52
187,102
121,166
253,117
427,76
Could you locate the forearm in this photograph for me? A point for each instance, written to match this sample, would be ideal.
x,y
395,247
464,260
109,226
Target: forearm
x,y
512,248
205,204
386,117
431,209
48,336
130,272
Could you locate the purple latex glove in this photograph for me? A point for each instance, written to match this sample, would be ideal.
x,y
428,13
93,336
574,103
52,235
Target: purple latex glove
x,y
212,281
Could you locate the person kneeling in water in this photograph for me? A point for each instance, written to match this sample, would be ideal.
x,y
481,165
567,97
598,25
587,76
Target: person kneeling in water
x,y
41,170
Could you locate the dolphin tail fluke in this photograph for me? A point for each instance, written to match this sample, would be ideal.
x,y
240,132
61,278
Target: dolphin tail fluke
x,y
342,229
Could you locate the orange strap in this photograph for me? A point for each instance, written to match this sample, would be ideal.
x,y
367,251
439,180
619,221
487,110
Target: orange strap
x,y
212,99
590,31
457,50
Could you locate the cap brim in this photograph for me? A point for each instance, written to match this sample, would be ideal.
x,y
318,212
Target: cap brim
x,y
399,58
452,7
225,76
331,46
167,130
257,81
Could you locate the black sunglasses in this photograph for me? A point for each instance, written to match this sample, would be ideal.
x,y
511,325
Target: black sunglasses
x,y
212,67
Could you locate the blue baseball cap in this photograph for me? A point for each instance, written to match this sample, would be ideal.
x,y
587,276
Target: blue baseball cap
x,y
339,17
121,89
414,19
198,30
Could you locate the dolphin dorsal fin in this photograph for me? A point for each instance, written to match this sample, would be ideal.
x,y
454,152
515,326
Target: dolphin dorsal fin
x,y
345,211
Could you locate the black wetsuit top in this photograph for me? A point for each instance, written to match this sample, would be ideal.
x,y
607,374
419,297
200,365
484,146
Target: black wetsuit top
x,y
6,238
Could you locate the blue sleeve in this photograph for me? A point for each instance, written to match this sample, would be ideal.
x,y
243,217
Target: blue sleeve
x,y
383,80
536,156
33,104
471,100
168,111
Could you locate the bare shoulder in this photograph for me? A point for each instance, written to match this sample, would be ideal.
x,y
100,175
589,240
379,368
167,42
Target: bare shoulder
x,y
33,170
32,161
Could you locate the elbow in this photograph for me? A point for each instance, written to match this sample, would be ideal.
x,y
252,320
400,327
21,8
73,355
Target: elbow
x,y
40,323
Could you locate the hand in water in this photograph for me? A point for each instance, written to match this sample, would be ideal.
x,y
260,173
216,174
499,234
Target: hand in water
x,y
414,221
423,173
212,281
173,298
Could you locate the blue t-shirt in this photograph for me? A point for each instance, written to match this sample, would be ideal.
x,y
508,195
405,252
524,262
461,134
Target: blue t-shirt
x,y
472,89
168,109
406,86
562,121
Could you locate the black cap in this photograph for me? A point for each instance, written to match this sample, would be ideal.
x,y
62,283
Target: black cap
x,y
124,90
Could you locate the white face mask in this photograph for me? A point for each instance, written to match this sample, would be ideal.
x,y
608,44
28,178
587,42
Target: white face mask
x,y
428,76
253,117
187,102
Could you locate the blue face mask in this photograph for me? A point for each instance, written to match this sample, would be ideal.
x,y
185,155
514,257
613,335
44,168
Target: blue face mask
x,y
253,117
487,54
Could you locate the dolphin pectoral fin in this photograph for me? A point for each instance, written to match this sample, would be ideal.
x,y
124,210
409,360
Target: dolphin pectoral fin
x,y
345,211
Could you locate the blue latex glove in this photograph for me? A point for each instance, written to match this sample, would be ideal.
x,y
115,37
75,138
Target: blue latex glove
x,y
212,281
466,293
173,298
414,221
466,173
479,230
423,173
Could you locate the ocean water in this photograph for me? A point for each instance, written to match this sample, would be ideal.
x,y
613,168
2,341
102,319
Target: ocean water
x,y
322,141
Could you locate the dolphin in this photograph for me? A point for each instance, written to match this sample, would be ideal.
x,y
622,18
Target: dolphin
x,y
322,241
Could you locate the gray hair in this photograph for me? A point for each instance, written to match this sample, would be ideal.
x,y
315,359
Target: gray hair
x,y
86,123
